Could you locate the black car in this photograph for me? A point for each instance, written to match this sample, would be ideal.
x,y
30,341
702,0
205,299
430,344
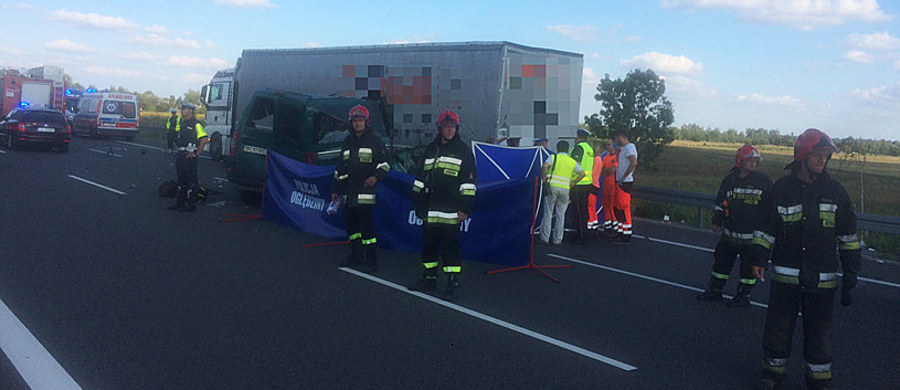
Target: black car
x,y
35,125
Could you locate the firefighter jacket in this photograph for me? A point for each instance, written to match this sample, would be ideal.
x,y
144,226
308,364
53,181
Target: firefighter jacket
x,y
805,227
446,184
738,205
190,132
361,158
583,153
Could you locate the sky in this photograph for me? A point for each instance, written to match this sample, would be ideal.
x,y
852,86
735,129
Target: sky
x,y
782,65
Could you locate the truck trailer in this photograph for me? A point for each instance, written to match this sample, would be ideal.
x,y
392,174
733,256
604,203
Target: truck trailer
x,y
498,88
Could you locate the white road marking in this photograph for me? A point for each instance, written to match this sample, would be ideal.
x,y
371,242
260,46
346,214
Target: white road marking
x,y
498,322
645,277
108,153
96,184
710,250
36,366
2,151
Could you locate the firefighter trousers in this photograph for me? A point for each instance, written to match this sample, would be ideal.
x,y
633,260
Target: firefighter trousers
x,y
726,254
441,244
580,200
360,229
818,312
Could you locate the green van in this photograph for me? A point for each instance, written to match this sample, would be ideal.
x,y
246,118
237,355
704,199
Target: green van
x,y
305,128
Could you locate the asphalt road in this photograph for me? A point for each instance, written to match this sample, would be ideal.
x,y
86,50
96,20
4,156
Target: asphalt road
x,y
123,294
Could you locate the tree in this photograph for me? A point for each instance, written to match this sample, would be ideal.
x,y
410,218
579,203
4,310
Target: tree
x,y
193,96
855,151
637,104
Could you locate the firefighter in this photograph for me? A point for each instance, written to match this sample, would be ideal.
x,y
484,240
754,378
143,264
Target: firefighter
x,y
584,155
626,162
808,223
443,193
191,140
561,172
172,129
736,213
363,163
608,196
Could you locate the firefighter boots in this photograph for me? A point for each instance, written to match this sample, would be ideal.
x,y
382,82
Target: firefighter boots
x,y
742,297
370,262
428,282
355,256
714,291
450,293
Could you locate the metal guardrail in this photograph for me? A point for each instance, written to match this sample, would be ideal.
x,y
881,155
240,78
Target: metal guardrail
x,y
868,222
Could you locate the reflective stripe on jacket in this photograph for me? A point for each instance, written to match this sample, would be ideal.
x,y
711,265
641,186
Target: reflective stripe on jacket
x,y
562,171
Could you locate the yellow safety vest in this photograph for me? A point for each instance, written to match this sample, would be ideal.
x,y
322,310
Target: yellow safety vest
x,y
587,163
562,170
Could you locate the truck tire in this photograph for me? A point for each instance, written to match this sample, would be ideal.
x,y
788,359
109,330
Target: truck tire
x,y
215,146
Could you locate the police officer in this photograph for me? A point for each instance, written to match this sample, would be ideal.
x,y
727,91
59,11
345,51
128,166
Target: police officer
x,y
583,153
443,193
363,163
808,224
191,140
172,129
737,214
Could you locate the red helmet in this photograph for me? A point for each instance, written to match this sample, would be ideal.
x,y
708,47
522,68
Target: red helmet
x,y
812,139
745,152
359,112
448,118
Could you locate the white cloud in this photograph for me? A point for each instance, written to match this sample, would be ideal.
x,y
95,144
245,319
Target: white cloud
x,y
154,39
876,41
858,56
310,45
584,33
196,62
663,63
589,77
67,45
11,51
142,55
689,87
246,3
787,101
107,71
93,20
888,94
805,14
196,78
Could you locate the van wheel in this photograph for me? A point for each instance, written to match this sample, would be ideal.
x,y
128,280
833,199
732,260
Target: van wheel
x,y
215,146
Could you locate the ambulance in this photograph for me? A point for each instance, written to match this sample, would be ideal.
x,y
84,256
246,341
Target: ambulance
x,y
107,114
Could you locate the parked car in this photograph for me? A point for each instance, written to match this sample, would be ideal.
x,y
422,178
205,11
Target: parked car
x,y
35,125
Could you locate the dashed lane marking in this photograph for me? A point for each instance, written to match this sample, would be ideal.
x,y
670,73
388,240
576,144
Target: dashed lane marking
x,y
645,277
97,185
36,366
496,321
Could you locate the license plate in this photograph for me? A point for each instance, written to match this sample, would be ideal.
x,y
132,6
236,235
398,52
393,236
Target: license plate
x,y
255,150
45,130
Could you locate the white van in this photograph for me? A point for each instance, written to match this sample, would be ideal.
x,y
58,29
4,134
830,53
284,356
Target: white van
x,y
112,114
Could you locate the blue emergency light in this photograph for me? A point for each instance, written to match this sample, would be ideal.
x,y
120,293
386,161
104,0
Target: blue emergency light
x,y
24,104
90,90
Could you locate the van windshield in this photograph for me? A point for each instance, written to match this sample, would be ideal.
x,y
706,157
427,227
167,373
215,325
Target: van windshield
x,y
125,109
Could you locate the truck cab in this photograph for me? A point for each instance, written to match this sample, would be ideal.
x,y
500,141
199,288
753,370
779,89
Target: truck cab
x,y
302,127
218,96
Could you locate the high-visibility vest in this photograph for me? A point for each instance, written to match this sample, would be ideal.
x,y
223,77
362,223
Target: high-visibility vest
x,y
562,170
587,163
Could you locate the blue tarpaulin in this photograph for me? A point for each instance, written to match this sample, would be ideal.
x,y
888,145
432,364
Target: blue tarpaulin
x,y
496,232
